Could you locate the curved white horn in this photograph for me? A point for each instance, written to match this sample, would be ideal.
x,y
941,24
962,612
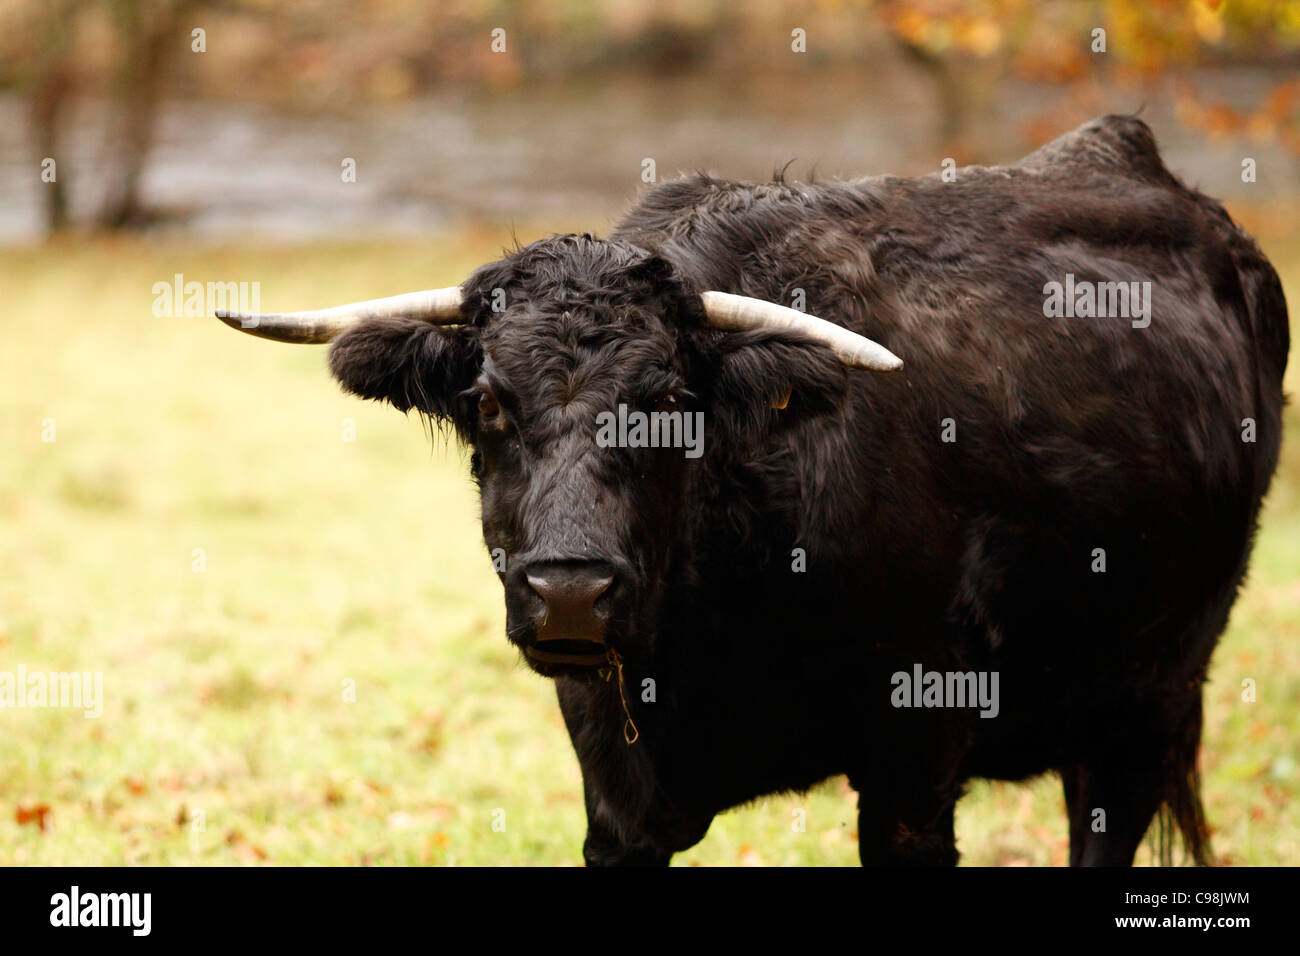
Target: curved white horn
x,y
738,313
438,306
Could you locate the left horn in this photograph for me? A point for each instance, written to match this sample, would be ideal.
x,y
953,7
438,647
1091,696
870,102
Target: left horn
x,y
437,306
738,313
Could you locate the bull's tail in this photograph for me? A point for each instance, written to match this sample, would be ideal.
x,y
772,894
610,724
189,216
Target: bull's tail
x,y
1181,812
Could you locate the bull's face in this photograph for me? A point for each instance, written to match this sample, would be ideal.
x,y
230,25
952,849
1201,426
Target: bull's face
x,y
597,395
584,520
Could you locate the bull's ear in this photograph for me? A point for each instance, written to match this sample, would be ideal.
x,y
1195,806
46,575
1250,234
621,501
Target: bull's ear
x,y
407,362
770,379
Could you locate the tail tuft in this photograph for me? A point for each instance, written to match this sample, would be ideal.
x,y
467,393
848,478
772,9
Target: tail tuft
x,y
1181,808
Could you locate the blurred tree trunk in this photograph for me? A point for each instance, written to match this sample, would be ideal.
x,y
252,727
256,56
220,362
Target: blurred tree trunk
x,y
48,97
50,86
948,88
147,39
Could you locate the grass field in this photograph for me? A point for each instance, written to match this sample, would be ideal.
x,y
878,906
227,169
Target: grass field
x,y
226,736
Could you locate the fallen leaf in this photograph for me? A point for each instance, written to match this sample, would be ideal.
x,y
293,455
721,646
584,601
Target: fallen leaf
x,y
36,813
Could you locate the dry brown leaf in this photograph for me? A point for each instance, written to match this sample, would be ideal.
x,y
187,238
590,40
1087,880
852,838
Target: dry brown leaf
x,y
37,813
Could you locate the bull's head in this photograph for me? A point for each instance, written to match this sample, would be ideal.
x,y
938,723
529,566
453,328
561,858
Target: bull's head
x,y
529,359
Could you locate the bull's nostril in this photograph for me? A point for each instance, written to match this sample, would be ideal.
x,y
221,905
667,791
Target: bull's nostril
x,y
566,590
570,594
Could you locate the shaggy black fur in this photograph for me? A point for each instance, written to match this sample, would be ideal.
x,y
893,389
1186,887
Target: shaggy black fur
x,y
1072,434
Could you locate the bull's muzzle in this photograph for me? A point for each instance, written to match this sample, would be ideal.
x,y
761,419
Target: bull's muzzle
x,y
571,626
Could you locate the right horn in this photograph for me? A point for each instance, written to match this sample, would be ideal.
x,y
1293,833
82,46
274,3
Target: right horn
x,y
438,306
739,313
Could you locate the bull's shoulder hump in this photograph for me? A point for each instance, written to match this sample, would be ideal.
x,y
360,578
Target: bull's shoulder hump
x,y
699,208
699,194
1118,143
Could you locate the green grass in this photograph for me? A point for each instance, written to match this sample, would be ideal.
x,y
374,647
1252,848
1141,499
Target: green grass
x,y
330,561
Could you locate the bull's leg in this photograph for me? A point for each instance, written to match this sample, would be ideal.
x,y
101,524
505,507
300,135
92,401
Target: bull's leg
x,y
1113,795
906,826
1072,782
1111,805
906,803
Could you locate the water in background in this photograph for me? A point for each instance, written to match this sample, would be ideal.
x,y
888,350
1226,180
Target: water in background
x,y
571,152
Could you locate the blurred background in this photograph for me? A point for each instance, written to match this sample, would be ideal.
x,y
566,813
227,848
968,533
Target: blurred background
x,y
240,128
205,519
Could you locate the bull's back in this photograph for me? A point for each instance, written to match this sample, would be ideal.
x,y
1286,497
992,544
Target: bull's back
x,y
1096,474
954,277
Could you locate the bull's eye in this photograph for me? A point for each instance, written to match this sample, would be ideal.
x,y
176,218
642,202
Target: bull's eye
x,y
488,406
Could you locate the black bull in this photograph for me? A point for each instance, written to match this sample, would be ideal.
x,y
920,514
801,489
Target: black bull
x,y
1016,556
